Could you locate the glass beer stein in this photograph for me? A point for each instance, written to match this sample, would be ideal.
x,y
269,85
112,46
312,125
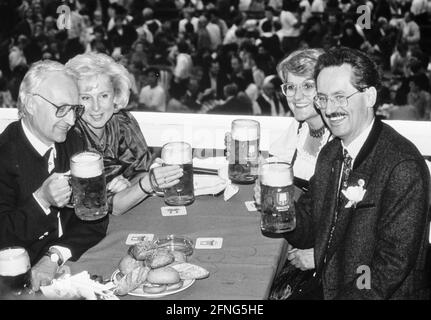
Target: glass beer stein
x,y
15,271
88,185
277,194
179,153
244,151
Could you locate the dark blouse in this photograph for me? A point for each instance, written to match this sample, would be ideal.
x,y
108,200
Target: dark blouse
x,y
123,147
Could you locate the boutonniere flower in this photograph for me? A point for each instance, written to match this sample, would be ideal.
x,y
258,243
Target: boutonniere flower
x,y
354,194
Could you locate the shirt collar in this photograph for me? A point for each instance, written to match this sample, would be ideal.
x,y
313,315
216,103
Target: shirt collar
x,y
355,146
38,145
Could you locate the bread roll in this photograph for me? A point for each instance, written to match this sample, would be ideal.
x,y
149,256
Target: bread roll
x,y
190,271
128,263
160,258
165,275
175,286
142,250
131,281
154,288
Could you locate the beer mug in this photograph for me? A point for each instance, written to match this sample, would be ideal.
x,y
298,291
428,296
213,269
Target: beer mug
x,y
244,151
88,185
15,271
179,153
277,194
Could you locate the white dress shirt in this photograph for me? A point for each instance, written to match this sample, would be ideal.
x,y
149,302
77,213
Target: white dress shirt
x,y
355,146
42,148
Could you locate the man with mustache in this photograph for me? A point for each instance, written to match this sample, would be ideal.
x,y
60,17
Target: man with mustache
x,y
366,213
34,189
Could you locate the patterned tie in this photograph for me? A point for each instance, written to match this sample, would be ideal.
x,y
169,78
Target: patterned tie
x,y
347,168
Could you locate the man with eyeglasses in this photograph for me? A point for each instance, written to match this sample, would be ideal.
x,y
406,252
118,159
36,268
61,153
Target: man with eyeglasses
x,y
366,213
34,163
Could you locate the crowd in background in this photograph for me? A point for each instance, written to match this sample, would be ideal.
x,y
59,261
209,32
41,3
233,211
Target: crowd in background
x,y
220,56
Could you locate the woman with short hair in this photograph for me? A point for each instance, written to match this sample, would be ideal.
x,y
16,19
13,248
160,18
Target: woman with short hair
x,y
107,128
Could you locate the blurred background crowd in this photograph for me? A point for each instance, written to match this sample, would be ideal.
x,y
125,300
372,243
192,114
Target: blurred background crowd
x,y
220,56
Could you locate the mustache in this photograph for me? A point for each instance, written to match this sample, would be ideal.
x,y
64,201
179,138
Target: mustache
x,y
335,114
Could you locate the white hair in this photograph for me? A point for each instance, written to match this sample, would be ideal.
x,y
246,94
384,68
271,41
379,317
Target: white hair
x,y
91,64
37,73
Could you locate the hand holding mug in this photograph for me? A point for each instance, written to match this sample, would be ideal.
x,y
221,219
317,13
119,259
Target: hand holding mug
x,y
43,273
165,176
55,190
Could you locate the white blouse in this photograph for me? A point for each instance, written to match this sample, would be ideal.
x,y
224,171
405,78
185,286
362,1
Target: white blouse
x,y
284,149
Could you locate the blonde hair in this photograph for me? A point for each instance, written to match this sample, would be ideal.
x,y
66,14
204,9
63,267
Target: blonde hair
x,y
91,64
300,63
37,73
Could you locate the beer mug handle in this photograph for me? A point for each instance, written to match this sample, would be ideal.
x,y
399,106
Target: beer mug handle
x,y
153,181
70,204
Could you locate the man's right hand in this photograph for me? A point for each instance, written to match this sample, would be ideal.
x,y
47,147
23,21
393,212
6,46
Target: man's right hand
x,y
43,273
55,191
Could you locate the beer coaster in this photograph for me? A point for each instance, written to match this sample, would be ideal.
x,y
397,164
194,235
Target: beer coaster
x,y
134,238
251,205
173,211
209,243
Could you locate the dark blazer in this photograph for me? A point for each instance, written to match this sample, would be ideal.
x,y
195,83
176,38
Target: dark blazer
x,y
22,220
387,231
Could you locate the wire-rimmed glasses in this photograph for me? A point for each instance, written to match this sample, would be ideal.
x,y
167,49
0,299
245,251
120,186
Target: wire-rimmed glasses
x,y
308,88
339,100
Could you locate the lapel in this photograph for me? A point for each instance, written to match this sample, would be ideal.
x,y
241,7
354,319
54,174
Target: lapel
x,y
362,169
328,205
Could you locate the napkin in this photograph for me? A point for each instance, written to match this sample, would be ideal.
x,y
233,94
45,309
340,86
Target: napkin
x,y
78,286
212,184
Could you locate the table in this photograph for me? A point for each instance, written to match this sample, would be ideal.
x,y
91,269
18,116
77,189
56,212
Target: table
x,y
243,269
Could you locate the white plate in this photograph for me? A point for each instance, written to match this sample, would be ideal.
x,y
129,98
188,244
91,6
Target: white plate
x,y
140,293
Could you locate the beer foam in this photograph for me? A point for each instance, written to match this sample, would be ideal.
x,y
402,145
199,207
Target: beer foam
x,y
276,175
177,153
13,262
245,130
86,165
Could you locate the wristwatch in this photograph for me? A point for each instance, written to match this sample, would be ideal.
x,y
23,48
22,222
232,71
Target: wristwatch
x,y
55,256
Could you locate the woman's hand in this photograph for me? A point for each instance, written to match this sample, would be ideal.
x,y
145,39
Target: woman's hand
x,y
302,259
119,183
166,176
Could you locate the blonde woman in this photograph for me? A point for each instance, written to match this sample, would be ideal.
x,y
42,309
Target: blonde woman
x,y
104,89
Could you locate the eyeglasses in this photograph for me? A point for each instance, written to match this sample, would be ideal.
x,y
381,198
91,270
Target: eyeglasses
x,y
308,88
339,100
64,109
